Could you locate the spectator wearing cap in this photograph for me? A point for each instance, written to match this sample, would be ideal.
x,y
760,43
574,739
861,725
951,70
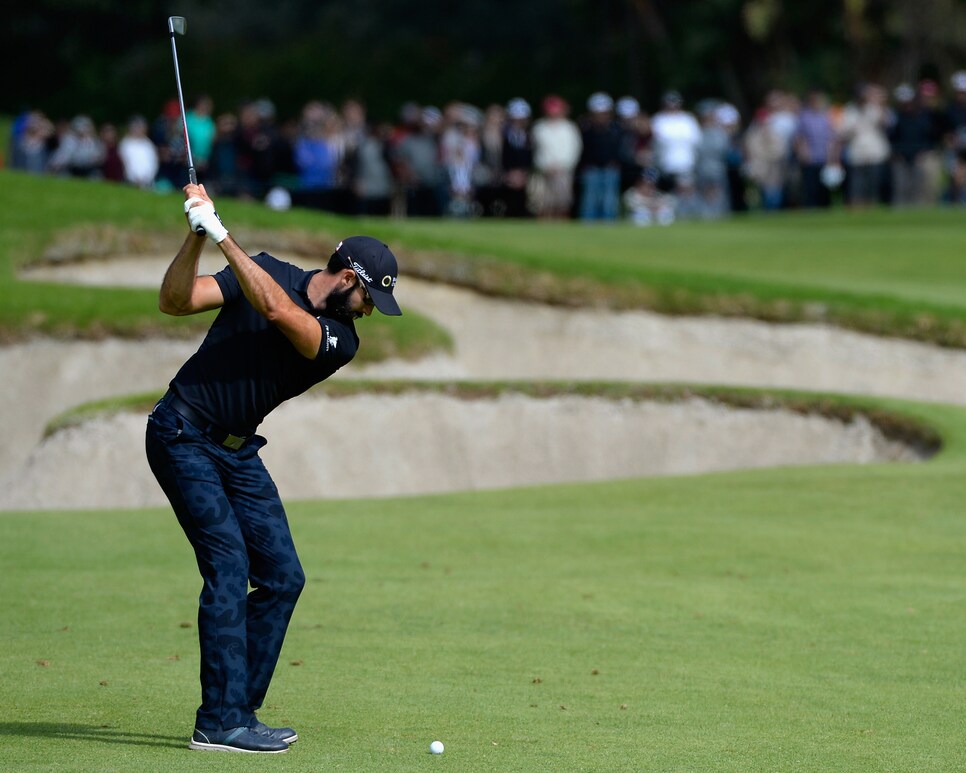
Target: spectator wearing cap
x,y
677,135
419,166
557,146
80,152
635,140
460,148
167,134
516,158
816,145
863,133
911,139
711,163
729,119
600,170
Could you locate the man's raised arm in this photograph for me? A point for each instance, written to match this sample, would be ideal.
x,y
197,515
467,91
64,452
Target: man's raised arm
x,y
263,292
182,290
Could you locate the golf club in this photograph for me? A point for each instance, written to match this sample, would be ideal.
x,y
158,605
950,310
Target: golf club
x,y
178,25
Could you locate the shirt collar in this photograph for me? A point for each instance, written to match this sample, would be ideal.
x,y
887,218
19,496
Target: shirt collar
x,y
302,288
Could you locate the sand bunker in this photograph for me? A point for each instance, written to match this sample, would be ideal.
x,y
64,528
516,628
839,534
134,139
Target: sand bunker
x,y
435,443
429,442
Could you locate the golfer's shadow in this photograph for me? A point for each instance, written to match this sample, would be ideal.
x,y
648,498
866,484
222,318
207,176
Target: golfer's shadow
x,y
100,733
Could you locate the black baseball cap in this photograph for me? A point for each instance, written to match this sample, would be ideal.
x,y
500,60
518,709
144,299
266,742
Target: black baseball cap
x,y
375,265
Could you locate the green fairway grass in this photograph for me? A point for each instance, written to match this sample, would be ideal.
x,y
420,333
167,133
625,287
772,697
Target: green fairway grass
x,y
789,619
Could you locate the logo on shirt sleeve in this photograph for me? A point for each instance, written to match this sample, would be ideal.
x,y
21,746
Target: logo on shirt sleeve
x,y
331,341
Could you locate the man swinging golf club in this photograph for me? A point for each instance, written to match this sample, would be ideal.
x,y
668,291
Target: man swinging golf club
x,y
279,331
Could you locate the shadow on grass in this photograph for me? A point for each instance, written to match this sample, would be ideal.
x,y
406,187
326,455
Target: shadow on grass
x,y
100,733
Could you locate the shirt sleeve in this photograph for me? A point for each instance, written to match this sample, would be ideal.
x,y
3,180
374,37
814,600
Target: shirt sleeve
x,y
339,343
228,282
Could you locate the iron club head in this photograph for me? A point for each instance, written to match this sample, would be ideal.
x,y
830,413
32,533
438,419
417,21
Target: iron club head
x,y
177,24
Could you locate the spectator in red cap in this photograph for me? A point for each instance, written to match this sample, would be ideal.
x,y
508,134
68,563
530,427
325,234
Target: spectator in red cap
x,y
556,151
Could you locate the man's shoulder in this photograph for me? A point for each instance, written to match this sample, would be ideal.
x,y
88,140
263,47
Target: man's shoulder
x,y
278,268
338,337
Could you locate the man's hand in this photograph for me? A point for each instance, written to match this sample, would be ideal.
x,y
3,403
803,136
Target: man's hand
x,y
201,214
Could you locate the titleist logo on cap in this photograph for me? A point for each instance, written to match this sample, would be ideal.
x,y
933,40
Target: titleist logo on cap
x,y
361,271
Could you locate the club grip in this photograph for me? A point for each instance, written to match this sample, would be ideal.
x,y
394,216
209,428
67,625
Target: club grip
x,y
193,179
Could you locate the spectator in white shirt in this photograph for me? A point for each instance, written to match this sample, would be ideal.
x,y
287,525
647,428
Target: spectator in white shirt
x,y
556,152
139,154
677,135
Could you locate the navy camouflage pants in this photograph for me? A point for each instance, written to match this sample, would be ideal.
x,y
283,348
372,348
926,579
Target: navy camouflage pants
x,y
231,513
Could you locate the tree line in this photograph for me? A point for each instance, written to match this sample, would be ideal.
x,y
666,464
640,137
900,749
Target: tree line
x,y
111,59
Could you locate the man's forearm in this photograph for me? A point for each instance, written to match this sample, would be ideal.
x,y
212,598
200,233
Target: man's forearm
x,y
263,292
178,282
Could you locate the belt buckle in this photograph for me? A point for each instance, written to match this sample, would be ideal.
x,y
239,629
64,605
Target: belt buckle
x,y
234,442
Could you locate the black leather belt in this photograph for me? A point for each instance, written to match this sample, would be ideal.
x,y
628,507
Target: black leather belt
x,y
213,432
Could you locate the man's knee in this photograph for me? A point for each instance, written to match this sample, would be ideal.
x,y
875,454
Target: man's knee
x,y
292,585
284,586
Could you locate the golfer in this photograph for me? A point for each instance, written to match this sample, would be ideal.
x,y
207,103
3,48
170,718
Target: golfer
x,y
279,330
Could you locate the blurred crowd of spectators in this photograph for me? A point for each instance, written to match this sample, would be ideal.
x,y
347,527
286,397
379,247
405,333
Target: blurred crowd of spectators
x,y
612,159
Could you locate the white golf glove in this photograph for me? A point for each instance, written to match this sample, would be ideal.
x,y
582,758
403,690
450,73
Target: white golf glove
x,y
203,214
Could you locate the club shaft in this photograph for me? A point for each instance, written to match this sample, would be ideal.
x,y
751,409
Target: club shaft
x,y
184,122
192,176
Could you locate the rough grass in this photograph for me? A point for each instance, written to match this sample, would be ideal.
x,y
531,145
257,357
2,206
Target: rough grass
x,y
886,272
45,218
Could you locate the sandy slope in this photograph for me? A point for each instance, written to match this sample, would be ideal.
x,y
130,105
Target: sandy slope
x,y
438,443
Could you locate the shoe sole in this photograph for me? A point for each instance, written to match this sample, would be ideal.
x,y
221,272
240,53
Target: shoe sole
x,y
198,746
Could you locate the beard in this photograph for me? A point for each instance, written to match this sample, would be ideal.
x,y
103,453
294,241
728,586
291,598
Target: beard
x,y
337,304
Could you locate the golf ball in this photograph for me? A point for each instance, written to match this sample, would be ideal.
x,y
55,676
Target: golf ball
x,y
436,747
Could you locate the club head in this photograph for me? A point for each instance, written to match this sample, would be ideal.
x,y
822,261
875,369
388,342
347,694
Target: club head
x,y
177,24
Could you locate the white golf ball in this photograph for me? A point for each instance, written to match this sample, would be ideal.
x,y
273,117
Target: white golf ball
x,y
436,747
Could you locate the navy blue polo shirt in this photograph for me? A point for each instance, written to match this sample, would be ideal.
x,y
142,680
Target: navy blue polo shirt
x,y
246,367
